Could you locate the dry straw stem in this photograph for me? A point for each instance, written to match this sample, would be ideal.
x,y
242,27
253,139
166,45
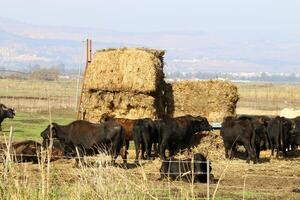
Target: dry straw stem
x,y
126,69
121,104
213,99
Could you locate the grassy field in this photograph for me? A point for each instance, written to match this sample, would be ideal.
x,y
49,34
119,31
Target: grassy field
x,y
269,97
271,179
29,125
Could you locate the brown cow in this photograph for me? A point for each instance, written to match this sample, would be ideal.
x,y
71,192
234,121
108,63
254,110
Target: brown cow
x,y
29,151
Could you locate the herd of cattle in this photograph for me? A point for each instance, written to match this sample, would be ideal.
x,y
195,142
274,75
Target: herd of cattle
x,y
113,135
260,132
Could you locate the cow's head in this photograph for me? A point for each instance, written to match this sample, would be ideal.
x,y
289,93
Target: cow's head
x,y
49,133
201,124
7,112
107,117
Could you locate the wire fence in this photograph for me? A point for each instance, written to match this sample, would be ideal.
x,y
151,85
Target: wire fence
x,y
29,95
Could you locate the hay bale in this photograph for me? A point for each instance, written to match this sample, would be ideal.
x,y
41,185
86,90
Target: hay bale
x,y
212,99
121,104
137,70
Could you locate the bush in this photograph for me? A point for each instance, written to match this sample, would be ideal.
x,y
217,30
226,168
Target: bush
x,y
49,74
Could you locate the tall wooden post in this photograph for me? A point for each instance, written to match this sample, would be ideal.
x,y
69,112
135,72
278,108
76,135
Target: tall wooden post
x,y
88,60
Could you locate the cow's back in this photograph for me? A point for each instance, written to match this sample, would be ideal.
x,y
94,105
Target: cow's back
x,y
127,125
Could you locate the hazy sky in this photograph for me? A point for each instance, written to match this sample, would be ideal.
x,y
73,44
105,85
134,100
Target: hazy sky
x,y
278,19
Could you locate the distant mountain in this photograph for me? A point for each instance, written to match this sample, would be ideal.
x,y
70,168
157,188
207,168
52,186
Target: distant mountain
x,y
24,44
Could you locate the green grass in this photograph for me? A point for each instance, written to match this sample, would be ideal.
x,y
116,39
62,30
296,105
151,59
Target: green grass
x,y
28,125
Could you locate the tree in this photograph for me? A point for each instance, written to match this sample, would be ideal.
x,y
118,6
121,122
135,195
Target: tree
x,y
49,74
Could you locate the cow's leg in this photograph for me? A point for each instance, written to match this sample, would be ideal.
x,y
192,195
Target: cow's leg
x,y
148,150
147,144
272,148
284,149
277,148
119,151
79,160
143,151
227,148
249,151
155,149
172,150
114,153
137,151
257,151
123,154
162,149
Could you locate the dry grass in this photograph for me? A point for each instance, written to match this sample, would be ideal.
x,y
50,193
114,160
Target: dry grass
x,y
269,97
29,95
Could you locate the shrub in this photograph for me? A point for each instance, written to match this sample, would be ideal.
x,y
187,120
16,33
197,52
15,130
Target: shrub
x,y
48,74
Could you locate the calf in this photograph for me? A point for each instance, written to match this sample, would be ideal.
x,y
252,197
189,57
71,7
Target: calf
x,y
185,169
89,138
238,131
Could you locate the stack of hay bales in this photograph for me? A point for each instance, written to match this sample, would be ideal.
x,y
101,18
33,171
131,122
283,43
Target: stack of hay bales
x,y
126,82
213,99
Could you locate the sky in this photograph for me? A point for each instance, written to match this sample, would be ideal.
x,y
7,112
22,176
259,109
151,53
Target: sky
x,y
234,19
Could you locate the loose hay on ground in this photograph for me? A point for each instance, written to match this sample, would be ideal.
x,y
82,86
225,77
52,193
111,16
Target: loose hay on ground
x,y
211,145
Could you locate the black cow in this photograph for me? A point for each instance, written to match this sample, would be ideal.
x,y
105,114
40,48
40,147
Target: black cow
x,y
184,170
6,112
175,133
144,135
260,124
294,139
287,127
88,137
238,131
279,134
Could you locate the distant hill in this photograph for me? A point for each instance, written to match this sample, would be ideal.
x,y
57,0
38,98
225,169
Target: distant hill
x,y
22,44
